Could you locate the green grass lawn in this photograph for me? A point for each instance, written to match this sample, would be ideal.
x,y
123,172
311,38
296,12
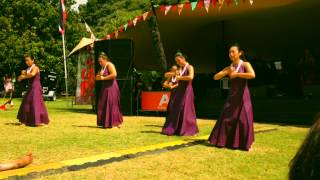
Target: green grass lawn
x,y
72,133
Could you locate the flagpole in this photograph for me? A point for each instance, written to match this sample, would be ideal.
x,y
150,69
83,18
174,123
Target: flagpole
x,y
65,64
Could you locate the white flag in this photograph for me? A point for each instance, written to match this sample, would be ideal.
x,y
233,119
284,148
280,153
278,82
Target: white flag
x,y
89,31
135,21
207,4
180,8
167,9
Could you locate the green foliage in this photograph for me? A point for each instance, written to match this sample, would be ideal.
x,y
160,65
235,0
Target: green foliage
x,y
105,16
31,27
148,78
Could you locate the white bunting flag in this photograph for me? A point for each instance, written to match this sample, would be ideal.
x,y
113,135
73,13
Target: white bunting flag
x,y
135,21
207,4
167,9
145,15
180,8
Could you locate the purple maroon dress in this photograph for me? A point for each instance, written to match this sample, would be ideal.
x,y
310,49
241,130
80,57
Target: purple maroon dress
x,y
109,114
234,128
181,115
32,111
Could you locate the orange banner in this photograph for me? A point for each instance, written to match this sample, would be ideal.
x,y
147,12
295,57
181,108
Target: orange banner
x,y
155,100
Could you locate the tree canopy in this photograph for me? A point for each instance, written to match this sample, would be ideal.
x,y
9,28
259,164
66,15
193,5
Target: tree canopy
x,y
31,27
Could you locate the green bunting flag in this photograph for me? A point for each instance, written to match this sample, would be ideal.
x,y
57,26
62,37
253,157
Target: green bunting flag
x,y
194,5
236,2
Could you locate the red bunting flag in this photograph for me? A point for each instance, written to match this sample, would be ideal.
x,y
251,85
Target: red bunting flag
x,y
130,23
188,6
140,18
229,2
121,29
163,8
112,35
214,3
174,8
200,4
63,17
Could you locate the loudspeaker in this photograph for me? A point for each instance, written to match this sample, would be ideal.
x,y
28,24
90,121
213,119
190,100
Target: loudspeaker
x,y
120,52
126,95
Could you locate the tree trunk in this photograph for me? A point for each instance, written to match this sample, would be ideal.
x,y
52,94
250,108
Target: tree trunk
x,y
157,44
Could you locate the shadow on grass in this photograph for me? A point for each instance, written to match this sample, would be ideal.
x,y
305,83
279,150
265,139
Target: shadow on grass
x,y
94,127
76,110
13,124
153,125
151,132
204,143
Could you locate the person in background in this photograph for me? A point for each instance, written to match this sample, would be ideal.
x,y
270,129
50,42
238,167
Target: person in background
x,y
171,81
307,63
306,163
8,87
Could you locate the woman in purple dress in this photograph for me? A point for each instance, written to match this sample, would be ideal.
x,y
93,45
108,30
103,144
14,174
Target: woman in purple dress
x,y
32,111
234,128
108,114
181,115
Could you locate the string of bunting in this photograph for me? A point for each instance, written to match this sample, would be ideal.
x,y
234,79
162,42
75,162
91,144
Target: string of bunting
x,y
165,9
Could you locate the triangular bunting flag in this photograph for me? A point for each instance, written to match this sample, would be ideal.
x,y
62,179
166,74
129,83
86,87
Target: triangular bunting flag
x,y
251,2
180,8
220,4
193,5
125,27
130,23
214,3
188,6
156,5
135,20
236,2
200,4
174,8
162,8
108,36
140,18
145,15
112,35
229,2
116,34
167,9
121,29
207,5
